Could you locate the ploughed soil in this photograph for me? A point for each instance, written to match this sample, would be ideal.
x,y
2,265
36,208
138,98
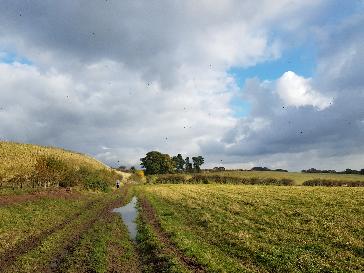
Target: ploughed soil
x,y
149,215
51,193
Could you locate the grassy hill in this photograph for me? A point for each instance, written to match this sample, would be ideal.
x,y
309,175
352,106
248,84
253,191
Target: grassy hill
x,y
19,158
31,166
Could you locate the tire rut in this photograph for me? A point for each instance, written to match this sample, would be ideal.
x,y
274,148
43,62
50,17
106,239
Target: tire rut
x,y
10,256
56,265
149,216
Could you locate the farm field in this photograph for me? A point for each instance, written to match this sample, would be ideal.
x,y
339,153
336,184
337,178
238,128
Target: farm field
x,y
65,232
244,228
297,177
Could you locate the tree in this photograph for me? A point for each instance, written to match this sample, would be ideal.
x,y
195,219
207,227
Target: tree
x,y
121,168
197,162
188,165
157,163
179,163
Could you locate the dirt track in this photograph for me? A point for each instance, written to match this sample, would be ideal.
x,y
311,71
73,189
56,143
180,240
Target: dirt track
x,y
10,256
149,216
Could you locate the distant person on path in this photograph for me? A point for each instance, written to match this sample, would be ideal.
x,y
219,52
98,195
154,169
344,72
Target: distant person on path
x,y
117,184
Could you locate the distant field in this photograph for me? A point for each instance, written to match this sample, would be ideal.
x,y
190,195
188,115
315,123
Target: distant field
x,y
243,228
298,177
18,158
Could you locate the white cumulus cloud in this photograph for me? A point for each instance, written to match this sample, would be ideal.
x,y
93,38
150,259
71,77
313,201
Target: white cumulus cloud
x,y
297,91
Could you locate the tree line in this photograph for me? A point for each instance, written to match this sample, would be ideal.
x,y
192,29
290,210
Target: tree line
x,y
157,163
347,171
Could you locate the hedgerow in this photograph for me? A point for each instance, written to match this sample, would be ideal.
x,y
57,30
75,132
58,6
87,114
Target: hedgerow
x,y
333,183
218,179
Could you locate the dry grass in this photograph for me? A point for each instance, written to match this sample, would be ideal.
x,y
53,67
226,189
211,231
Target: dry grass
x,y
20,159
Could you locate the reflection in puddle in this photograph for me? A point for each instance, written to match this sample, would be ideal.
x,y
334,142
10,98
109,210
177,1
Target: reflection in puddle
x,y
128,214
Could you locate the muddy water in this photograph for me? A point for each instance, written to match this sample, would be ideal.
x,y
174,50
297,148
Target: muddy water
x,y
129,214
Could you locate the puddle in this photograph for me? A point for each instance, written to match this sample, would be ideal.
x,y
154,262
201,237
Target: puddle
x,y
129,214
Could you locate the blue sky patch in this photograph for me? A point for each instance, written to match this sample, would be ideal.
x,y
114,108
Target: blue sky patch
x,y
11,57
301,60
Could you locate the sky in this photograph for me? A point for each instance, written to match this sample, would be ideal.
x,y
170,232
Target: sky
x,y
242,83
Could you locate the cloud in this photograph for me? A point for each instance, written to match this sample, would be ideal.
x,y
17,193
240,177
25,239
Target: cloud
x,y
125,114
297,91
132,76
295,122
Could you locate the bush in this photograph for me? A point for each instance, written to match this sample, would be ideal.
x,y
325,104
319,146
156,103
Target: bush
x,y
171,179
97,179
218,179
333,183
70,178
48,171
137,176
94,182
198,179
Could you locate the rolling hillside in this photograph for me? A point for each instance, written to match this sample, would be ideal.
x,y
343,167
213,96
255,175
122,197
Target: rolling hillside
x,y
19,158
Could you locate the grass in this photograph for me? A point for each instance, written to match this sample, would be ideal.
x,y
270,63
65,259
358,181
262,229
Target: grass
x,y
240,228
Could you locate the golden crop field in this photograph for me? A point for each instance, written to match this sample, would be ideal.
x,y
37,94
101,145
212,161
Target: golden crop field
x,y
18,158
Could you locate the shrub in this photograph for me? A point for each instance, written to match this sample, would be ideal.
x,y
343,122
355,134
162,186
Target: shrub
x,y
137,176
218,179
286,182
48,171
70,178
198,179
94,182
97,180
151,179
171,179
333,183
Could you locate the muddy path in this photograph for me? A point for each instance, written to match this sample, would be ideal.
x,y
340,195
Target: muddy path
x,y
57,264
105,215
149,215
10,256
